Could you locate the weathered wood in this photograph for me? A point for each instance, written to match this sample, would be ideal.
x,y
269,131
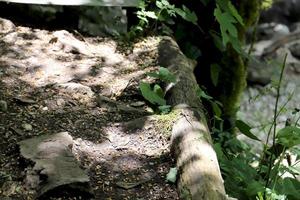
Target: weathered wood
x,y
199,173
122,3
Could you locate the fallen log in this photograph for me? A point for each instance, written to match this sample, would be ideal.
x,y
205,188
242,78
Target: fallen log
x,y
199,175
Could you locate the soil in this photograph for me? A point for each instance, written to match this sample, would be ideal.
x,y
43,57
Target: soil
x,y
54,81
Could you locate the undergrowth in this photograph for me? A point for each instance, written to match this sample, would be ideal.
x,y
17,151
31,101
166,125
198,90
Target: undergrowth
x,y
272,175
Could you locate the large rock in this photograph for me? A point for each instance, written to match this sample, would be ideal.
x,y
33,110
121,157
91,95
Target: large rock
x,y
6,26
54,165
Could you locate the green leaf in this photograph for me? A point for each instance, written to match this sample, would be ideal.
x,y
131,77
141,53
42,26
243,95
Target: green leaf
x,y
187,14
245,129
150,95
254,187
273,195
223,4
153,74
226,21
296,151
191,51
235,44
289,136
150,14
235,13
217,110
164,109
157,89
171,176
203,95
289,187
166,75
205,2
214,73
163,74
159,4
217,41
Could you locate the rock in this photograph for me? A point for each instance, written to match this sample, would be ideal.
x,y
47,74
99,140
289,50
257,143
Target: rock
x,y
17,131
267,31
60,102
65,41
137,104
295,50
6,26
45,108
75,88
27,127
3,106
54,165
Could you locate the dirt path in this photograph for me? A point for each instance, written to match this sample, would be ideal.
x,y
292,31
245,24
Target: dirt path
x,y
60,81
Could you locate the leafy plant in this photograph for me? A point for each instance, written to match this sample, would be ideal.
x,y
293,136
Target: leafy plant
x,y
228,18
261,177
155,95
216,106
162,11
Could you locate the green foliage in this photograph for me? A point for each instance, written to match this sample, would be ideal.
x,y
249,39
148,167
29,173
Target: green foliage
x,y
163,74
215,105
162,11
245,129
250,176
155,95
214,73
288,136
152,95
187,14
228,18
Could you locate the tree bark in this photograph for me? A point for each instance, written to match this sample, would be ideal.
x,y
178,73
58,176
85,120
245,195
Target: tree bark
x,y
197,164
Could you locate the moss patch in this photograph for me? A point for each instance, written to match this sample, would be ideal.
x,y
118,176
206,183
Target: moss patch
x,y
165,122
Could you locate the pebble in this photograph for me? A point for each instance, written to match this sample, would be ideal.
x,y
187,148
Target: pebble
x,y
137,104
45,108
27,127
3,106
295,50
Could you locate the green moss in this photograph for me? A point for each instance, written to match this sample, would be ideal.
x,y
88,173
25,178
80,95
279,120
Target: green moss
x,y
185,194
233,82
166,122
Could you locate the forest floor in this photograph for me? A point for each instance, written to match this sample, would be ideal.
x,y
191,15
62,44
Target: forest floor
x,y
57,81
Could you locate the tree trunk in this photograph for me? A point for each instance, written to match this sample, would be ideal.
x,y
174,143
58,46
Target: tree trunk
x,y
197,164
